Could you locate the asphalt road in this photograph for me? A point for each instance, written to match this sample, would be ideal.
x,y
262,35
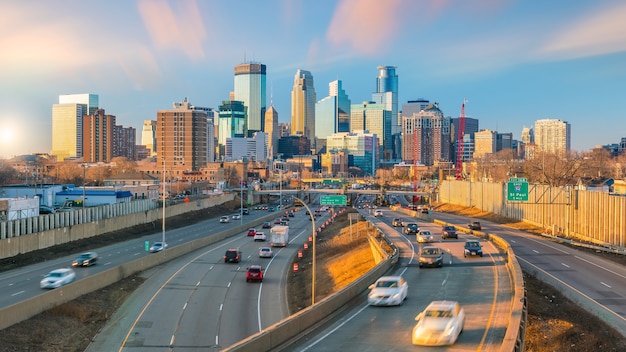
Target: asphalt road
x,y
481,285
198,302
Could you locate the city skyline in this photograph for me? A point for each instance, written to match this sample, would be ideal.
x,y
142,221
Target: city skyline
x,y
515,62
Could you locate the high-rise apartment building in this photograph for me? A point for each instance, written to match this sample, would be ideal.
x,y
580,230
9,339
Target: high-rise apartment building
x,y
303,105
231,122
528,135
125,142
361,146
250,89
426,136
485,143
271,129
552,136
67,124
99,137
148,136
182,137
332,113
374,118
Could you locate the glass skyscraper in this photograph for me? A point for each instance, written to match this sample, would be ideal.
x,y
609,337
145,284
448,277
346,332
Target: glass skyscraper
x,y
231,122
303,105
250,89
375,119
387,92
332,114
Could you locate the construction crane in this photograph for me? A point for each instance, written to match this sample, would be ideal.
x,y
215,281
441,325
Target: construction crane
x,y
460,133
415,159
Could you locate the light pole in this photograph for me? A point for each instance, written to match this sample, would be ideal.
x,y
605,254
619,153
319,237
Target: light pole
x,y
280,184
312,249
84,176
163,217
241,202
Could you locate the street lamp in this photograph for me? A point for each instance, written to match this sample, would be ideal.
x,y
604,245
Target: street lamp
x,y
241,202
84,177
312,249
280,184
163,217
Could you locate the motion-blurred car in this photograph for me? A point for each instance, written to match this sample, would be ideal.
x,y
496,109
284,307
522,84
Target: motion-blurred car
x,y
378,213
46,210
474,225
157,247
259,236
57,278
245,211
254,273
396,222
449,232
232,255
265,252
85,259
472,247
424,236
267,225
411,228
251,231
439,324
431,256
388,291
277,221
224,219
236,216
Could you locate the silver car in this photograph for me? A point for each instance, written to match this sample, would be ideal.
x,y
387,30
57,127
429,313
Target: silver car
x,y
439,324
424,236
57,278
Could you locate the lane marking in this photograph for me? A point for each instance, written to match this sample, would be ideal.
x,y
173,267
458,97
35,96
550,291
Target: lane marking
x,y
605,284
17,293
536,251
494,303
565,265
599,266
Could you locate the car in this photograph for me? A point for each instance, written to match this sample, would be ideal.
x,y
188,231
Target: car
x,y
411,228
449,232
259,236
270,209
236,216
232,255
157,247
265,252
251,231
474,225
278,221
472,247
378,213
224,219
245,211
267,225
424,236
85,259
439,324
291,214
388,291
257,207
425,210
46,210
396,222
431,256
265,207
254,273
57,278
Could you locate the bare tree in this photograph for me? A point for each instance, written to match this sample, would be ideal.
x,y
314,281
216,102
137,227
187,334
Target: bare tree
x,y
7,172
554,169
121,165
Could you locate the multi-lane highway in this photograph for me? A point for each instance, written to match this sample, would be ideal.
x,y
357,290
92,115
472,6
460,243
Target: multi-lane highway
x,y
481,285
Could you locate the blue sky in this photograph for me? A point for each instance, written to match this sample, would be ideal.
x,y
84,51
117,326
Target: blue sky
x,y
515,61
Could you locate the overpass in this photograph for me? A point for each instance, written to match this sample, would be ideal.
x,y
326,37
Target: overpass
x,y
340,191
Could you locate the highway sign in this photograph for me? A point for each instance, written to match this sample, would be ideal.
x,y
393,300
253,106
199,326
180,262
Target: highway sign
x,y
517,190
333,200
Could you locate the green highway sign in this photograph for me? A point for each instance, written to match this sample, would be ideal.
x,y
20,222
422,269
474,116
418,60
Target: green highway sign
x,y
334,200
517,190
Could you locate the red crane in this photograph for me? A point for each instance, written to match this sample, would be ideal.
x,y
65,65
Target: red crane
x,y
415,152
459,142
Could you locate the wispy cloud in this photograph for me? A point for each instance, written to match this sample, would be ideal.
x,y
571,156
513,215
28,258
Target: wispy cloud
x,y
602,32
180,29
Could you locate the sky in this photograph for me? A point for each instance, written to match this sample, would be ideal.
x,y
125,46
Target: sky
x,y
514,61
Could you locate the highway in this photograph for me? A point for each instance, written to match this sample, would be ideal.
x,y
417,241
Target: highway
x,y
481,285
198,302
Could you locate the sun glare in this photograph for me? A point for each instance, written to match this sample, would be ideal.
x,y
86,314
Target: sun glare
x,y
6,135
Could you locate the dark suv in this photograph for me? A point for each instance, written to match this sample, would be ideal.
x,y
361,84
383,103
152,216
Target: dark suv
x,y
411,229
449,232
232,255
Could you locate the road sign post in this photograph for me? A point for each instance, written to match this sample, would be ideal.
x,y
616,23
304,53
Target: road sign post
x,y
517,190
340,200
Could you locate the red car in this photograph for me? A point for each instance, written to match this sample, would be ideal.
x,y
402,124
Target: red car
x,y
254,273
251,231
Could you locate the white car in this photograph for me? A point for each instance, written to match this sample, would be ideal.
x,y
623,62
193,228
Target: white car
x,y
157,247
57,278
378,213
265,252
424,236
224,219
259,236
236,216
388,291
439,324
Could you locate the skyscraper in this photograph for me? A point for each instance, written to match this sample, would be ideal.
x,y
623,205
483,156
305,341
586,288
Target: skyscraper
x,y
182,137
373,118
303,105
552,136
67,124
332,113
271,128
99,137
426,136
148,136
231,122
387,93
250,89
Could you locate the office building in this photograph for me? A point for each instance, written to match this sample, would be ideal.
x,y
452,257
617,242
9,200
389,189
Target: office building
x,y
373,117
250,148
485,143
289,146
387,93
332,113
528,135
361,146
67,124
552,136
148,136
231,122
271,129
426,136
182,137
250,89
284,129
303,105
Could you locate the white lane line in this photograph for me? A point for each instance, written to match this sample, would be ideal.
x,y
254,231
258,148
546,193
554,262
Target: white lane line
x,y
172,340
17,293
565,265
217,340
601,267
108,263
228,285
333,330
536,251
512,241
185,306
221,307
605,284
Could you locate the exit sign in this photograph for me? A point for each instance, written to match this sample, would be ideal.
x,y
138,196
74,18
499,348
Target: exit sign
x,y
334,200
517,190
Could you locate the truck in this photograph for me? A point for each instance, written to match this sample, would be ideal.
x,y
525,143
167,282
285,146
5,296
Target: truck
x,y
279,236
